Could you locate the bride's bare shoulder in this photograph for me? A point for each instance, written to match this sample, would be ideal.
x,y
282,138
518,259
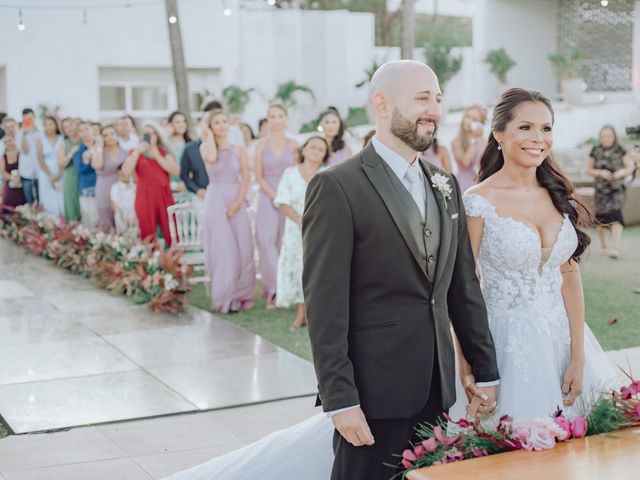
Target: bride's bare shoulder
x,y
484,188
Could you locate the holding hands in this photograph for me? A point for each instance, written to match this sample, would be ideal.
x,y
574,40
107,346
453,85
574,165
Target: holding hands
x,y
353,427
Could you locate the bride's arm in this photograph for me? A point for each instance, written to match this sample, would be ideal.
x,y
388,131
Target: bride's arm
x,y
573,297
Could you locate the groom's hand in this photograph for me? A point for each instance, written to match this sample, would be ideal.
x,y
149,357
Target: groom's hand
x,y
352,425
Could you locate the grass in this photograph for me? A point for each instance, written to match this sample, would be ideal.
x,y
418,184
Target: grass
x,y
608,287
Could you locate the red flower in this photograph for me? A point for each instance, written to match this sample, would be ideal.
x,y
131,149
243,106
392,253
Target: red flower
x,y
406,463
565,425
447,441
409,455
478,452
419,450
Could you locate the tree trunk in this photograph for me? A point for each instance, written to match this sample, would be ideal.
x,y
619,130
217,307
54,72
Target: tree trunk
x,y
177,55
408,29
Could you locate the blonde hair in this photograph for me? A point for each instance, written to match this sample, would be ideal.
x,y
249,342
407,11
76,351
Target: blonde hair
x,y
462,134
278,104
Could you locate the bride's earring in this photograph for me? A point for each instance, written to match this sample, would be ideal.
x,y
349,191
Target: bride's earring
x,y
499,147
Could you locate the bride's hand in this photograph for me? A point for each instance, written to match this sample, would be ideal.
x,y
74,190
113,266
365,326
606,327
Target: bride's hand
x,y
572,383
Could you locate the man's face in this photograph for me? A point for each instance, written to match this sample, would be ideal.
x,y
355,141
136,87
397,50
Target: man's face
x,y
416,109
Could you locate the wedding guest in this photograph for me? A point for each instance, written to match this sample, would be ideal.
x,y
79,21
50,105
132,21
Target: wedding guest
x,y
228,244
609,164
469,144
236,137
106,161
50,175
27,140
176,142
70,175
273,155
86,176
10,127
152,164
249,136
12,195
290,200
438,155
333,129
126,129
96,127
123,197
263,128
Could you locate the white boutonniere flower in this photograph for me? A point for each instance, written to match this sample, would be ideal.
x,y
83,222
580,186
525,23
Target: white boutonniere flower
x,y
441,184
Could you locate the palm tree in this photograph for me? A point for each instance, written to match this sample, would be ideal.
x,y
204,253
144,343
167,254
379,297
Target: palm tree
x,y
177,55
408,29
236,98
286,92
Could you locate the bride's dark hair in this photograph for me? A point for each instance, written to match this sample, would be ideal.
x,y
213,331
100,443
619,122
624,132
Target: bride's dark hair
x,y
548,173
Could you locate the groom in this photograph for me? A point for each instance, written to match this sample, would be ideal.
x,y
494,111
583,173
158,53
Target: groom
x,y
387,269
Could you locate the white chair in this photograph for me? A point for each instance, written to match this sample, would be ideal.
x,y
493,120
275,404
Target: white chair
x,y
185,229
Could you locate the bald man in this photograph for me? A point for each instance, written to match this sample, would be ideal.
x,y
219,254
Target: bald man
x,y
387,269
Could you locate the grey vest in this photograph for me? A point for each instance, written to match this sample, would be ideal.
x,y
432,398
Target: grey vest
x,y
426,232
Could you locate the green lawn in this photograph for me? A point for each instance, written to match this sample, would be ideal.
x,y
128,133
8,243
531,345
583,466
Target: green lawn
x,y
608,286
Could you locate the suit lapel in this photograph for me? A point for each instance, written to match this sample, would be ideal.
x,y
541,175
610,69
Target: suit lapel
x,y
374,169
445,226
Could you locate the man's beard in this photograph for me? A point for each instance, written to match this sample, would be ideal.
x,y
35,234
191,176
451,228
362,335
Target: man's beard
x,y
407,131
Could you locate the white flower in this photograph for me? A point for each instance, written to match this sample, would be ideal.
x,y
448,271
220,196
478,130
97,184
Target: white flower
x,y
170,283
441,183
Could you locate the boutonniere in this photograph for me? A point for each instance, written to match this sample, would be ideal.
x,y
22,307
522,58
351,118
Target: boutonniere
x,y
441,184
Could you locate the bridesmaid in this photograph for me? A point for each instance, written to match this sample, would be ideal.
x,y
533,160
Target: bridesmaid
x,y
438,155
273,155
49,173
70,174
333,129
106,160
152,165
468,146
290,200
228,244
12,195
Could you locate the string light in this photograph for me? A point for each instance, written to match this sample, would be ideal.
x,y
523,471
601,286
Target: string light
x,y
21,25
226,10
604,3
271,2
173,19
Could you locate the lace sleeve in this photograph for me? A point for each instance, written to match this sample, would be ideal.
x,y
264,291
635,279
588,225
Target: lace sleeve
x,y
476,206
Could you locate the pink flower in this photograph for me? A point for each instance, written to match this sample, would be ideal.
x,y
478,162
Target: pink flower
x,y
430,444
409,455
419,450
406,463
537,433
478,452
455,457
565,425
447,441
579,427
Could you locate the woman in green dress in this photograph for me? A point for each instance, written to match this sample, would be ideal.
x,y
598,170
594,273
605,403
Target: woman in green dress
x,y
70,178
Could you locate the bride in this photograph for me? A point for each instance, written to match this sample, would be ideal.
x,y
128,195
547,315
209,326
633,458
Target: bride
x,y
525,232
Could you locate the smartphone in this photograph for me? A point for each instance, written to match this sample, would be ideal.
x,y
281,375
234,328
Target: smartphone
x,y
146,137
27,122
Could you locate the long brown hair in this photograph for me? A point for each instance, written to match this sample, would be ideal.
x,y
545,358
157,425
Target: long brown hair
x,y
462,133
560,189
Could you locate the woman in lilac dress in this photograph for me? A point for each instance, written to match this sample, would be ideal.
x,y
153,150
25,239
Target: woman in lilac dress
x,y
273,155
468,146
107,157
438,156
228,244
333,129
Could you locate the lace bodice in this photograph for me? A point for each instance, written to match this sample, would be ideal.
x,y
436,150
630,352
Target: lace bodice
x,y
515,271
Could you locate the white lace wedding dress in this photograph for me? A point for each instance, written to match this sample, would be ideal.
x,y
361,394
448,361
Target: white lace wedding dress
x,y
521,284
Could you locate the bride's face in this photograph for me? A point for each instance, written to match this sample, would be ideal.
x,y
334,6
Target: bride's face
x,y
527,139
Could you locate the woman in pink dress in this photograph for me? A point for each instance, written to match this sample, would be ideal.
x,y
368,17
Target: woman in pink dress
x,y
438,155
273,155
333,129
107,158
468,146
228,244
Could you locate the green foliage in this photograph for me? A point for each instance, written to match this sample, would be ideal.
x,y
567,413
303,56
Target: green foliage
x,y
356,116
566,63
286,92
310,126
605,416
369,74
438,52
499,63
237,98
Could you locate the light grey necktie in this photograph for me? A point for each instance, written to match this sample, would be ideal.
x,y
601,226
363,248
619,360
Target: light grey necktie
x,y
415,188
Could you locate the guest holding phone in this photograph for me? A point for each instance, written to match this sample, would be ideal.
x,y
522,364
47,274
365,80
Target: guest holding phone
x,y
152,165
86,176
468,146
106,159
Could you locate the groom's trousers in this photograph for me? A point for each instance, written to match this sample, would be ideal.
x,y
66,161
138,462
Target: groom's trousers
x,y
391,438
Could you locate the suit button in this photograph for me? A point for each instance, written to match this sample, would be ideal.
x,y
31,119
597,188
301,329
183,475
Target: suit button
x,y
427,233
433,302
430,259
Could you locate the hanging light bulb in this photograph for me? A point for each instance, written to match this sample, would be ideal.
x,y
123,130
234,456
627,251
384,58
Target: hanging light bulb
x,y
226,11
21,25
604,3
173,19
271,2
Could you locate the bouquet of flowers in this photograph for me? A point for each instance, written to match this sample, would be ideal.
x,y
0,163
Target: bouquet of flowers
x,y
120,263
611,411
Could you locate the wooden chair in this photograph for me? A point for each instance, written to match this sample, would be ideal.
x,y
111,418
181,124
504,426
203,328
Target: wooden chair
x,y
185,227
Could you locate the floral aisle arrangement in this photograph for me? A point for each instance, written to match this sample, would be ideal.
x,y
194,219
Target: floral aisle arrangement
x,y
611,411
120,263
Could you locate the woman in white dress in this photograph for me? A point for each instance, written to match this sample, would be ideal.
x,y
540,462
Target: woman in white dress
x,y
49,174
290,200
524,230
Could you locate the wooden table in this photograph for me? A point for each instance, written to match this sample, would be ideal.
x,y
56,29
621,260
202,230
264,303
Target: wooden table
x,y
610,456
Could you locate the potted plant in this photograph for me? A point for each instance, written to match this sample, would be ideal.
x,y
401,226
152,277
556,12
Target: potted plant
x,y
236,98
566,65
500,63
